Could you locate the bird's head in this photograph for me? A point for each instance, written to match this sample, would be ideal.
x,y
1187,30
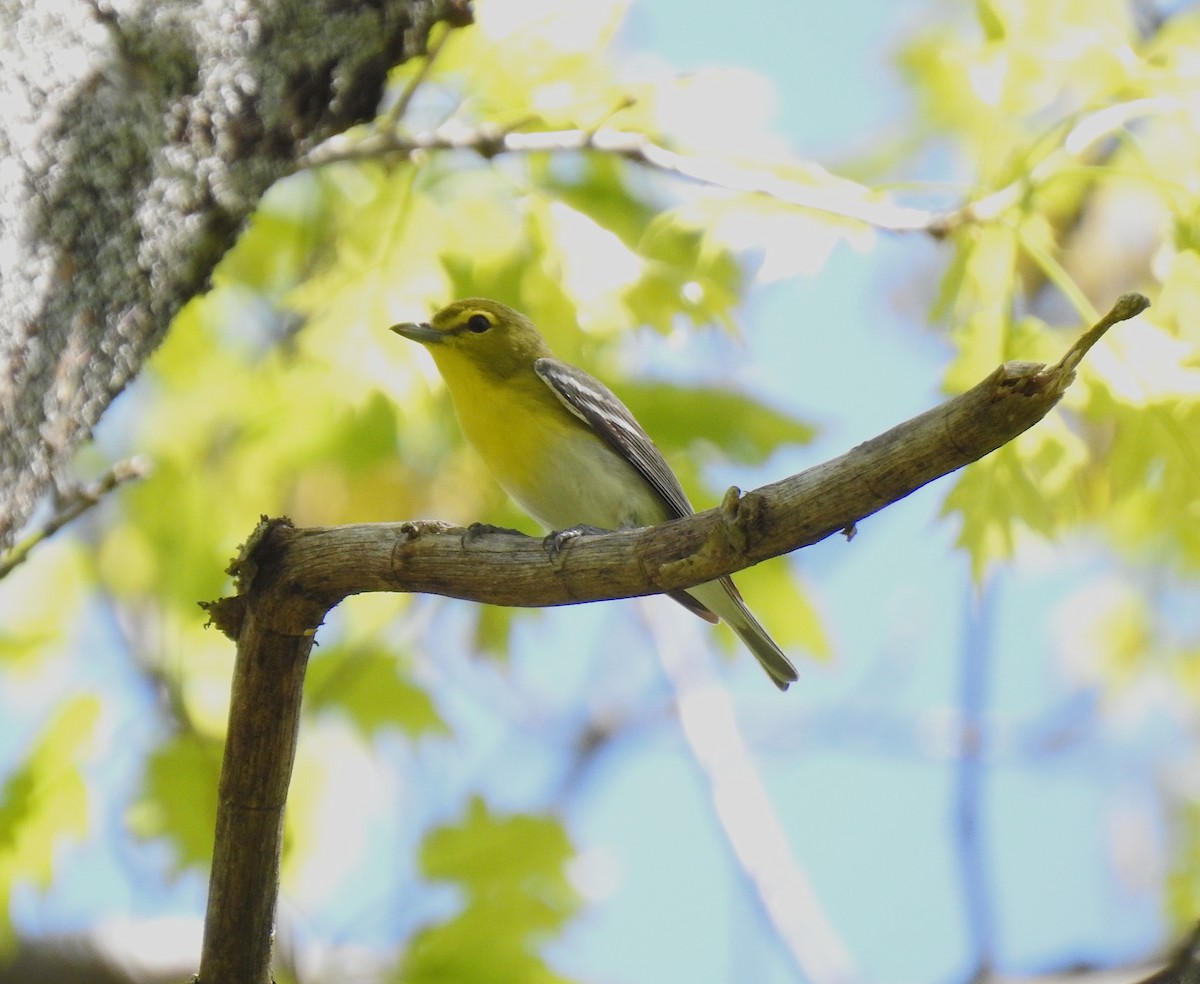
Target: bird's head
x,y
491,335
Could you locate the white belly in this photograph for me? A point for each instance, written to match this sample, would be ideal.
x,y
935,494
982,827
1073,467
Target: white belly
x,y
585,483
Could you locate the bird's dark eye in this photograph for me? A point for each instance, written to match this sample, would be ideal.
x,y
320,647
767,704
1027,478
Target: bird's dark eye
x,y
479,323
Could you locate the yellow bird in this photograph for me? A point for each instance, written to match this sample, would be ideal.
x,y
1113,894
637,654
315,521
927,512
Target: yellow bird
x,y
564,447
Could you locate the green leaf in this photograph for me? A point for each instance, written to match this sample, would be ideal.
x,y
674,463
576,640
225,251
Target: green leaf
x,y
1029,485
472,949
493,628
511,871
368,687
686,275
44,803
179,797
490,853
745,429
990,20
600,189
288,231
366,436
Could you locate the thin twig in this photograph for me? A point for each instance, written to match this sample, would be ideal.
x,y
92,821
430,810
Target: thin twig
x,y
1127,306
836,196
73,504
850,200
432,50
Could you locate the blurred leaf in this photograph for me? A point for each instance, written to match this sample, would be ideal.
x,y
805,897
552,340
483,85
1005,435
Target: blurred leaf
x,y
512,875
1029,485
1036,236
537,58
36,622
287,234
714,111
597,185
44,803
493,628
994,89
1182,894
491,854
366,436
683,278
179,797
369,688
990,19
745,430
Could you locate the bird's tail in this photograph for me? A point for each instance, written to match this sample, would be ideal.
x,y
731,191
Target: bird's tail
x,y
722,598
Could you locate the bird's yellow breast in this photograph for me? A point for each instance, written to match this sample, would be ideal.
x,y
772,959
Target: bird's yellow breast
x,y
551,462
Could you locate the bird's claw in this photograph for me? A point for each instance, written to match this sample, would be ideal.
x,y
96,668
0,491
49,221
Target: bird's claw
x,y
556,541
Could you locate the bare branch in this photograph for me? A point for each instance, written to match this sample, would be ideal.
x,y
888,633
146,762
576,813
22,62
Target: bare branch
x,y
832,195
400,107
73,503
288,579
850,200
260,748
317,567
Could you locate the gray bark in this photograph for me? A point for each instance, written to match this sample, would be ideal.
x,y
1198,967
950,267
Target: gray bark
x,y
135,139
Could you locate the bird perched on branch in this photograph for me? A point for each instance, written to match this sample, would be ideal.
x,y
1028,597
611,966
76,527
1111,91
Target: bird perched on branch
x,y
564,447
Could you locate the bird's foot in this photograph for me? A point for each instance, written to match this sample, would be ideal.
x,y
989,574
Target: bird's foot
x,y
556,541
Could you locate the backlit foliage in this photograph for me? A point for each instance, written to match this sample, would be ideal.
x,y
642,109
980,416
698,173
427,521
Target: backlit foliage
x,y
281,392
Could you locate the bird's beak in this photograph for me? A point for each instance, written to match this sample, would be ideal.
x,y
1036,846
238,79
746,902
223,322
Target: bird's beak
x,y
423,332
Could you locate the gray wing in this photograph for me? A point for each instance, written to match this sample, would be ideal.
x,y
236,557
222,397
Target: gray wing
x,y
598,407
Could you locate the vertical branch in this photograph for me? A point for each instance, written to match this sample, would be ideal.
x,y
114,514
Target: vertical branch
x,y
969,784
264,719
274,626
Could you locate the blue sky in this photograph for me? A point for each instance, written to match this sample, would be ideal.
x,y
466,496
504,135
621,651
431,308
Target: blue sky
x,y
858,768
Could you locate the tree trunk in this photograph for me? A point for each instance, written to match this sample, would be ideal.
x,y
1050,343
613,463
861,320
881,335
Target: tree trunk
x,y
136,136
